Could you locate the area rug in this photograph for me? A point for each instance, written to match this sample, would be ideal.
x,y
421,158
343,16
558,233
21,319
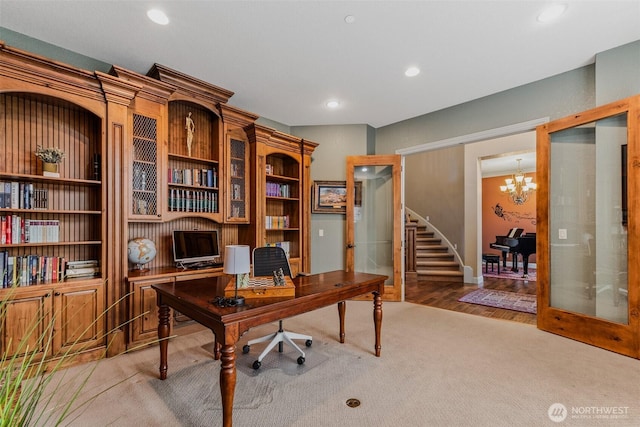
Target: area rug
x,y
502,299
506,273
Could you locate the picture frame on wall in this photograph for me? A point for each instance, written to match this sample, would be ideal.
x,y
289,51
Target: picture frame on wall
x,y
331,196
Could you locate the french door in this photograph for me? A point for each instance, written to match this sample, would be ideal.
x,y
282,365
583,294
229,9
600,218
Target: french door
x,y
374,219
588,248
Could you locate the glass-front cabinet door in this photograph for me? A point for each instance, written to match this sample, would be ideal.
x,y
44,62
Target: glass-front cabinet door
x,y
144,203
237,207
586,209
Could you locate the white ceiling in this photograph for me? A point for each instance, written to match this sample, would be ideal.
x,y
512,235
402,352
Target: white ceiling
x,y
507,164
285,59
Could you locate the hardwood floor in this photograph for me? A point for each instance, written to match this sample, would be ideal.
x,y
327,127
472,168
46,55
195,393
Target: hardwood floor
x,y
446,294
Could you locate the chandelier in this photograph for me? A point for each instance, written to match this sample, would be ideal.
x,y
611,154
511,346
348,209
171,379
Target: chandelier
x,y
519,187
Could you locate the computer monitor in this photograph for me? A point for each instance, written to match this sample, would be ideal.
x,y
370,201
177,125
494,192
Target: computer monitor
x,y
196,247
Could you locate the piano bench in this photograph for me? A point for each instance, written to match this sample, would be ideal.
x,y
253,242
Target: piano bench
x,y
491,259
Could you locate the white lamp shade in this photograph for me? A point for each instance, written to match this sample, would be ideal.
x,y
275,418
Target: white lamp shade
x,y
237,259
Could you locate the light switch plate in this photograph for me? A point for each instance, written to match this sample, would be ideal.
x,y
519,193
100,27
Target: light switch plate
x,y
562,233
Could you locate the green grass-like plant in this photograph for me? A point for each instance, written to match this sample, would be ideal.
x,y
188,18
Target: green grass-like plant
x,y
28,395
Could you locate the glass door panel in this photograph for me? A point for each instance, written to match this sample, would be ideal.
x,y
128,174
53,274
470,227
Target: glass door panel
x,y
374,219
588,182
588,233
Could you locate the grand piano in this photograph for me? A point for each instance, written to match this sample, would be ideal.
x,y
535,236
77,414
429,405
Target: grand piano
x,y
516,243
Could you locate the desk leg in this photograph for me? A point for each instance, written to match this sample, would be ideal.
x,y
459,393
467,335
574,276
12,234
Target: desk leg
x,y
163,337
227,383
377,319
342,306
217,348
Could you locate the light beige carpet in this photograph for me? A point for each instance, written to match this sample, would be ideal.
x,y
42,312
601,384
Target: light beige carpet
x,y
438,368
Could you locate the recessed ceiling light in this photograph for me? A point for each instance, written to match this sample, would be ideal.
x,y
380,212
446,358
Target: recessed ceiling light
x,y
349,19
552,12
158,16
412,71
333,104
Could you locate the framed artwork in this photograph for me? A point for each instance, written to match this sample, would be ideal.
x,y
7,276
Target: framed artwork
x,y
331,196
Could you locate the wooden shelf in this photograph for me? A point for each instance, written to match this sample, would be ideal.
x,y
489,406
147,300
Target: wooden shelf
x,y
51,211
291,199
50,179
272,177
193,159
195,187
34,245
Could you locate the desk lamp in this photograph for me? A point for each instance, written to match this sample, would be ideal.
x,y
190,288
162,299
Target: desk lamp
x,y
236,262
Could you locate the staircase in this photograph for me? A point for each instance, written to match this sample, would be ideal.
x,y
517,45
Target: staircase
x,y
432,260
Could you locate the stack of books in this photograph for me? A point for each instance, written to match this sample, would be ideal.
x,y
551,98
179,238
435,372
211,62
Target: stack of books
x,y
83,268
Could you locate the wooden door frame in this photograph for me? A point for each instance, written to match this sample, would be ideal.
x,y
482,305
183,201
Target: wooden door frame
x,y
395,292
616,337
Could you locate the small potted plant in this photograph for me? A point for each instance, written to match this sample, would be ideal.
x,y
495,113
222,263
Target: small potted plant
x,y
50,157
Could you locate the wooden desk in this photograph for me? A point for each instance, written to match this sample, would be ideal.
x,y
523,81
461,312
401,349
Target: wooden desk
x,y
194,299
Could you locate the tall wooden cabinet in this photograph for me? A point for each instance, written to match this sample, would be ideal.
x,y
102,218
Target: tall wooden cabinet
x,y
49,222
238,169
280,195
144,148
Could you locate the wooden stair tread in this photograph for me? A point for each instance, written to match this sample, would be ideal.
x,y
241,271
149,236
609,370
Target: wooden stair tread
x,y
437,263
451,273
431,248
433,260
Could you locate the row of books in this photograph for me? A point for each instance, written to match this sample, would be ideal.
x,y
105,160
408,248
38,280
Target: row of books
x,y
193,201
22,195
15,229
275,222
284,245
195,177
276,189
30,270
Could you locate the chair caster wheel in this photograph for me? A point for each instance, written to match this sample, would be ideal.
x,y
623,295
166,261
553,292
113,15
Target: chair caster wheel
x,y
245,349
308,343
256,364
300,360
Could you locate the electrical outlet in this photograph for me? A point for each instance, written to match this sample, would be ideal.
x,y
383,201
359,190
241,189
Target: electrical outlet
x,y
321,232
562,233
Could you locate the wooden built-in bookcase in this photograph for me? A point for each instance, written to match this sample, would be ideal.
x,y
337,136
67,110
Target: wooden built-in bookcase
x,y
280,195
59,219
128,173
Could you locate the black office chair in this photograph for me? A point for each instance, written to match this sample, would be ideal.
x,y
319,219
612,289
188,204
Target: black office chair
x,y
266,260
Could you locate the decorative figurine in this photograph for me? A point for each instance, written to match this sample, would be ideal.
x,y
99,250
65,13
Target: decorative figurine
x,y
278,278
191,128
